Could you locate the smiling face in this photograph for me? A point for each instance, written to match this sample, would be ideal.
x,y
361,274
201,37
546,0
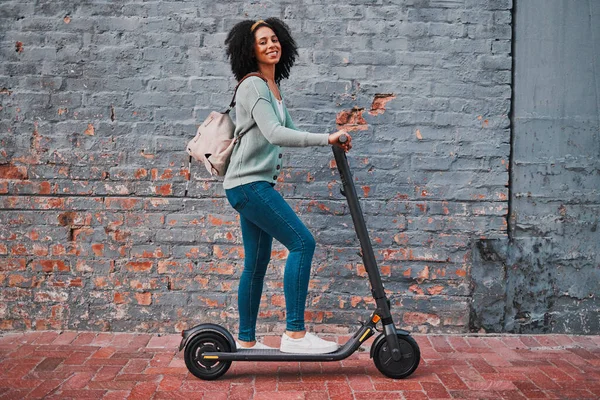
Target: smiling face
x,y
266,46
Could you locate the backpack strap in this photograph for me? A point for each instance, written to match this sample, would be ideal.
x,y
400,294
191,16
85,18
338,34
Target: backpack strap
x,y
258,74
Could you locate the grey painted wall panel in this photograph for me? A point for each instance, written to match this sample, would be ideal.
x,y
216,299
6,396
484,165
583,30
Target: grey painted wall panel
x,y
553,267
546,277
555,61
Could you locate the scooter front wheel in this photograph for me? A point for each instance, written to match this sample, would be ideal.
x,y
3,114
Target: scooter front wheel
x,y
409,360
202,343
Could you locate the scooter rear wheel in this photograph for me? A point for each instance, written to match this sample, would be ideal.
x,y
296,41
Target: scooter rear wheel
x,y
200,344
408,363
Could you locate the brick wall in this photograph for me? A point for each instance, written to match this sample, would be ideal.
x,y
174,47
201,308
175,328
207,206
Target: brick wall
x,y
98,100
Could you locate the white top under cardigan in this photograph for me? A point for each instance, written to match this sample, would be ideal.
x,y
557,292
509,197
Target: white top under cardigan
x,y
280,109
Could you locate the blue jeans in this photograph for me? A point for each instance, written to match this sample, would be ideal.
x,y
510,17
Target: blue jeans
x,y
265,215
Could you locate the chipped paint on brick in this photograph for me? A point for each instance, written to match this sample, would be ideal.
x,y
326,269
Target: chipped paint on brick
x,y
90,130
352,120
379,103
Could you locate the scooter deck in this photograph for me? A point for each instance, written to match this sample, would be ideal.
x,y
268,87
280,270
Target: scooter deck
x,y
276,355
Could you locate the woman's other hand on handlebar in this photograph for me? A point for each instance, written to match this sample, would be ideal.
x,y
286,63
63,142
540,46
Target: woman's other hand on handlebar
x,y
334,139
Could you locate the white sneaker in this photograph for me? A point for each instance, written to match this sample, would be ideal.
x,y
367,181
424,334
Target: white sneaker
x,y
257,346
309,344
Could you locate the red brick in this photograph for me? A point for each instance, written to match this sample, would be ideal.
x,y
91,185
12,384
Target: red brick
x,y
316,396
452,381
545,340
379,103
496,360
301,386
77,381
121,203
481,366
504,376
112,385
121,340
161,359
105,361
137,378
165,371
572,394
46,338
144,299
491,385
475,395
265,383
120,298
529,341
13,264
435,390
197,385
379,395
339,390
170,383
117,395
129,355
50,266
49,203
135,366
105,352
140,341
240,392
20,281
49,364
13,172
19,249
351,120
562,340
139,266
360,383
83,338
44,388
85,394
107,373
164,190
413,395
417,318
583,353
394,385
280,396
183,396
541,380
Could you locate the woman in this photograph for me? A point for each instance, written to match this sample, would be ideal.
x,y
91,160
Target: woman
x,y
267,47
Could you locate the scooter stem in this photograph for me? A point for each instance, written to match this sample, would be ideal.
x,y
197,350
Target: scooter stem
x,y
349,191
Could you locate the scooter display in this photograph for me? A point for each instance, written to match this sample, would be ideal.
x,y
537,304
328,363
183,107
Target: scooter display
x,y
210,349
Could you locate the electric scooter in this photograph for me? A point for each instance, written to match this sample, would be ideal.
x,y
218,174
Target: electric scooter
x,y
210,348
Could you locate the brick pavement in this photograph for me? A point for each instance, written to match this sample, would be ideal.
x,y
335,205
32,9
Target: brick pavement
x,y
79,365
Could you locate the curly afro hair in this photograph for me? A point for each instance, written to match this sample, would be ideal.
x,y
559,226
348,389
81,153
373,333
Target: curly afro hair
x,y
240,48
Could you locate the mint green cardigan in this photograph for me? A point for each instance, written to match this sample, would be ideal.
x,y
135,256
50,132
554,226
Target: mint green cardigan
x,y
257,156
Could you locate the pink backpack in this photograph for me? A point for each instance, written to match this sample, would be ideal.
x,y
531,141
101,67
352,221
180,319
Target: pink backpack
x,y
214,141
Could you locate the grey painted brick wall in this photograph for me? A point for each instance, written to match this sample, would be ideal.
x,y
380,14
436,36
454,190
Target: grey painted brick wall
x,y
97,101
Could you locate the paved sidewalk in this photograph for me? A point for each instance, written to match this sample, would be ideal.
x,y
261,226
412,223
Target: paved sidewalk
x,y
80,365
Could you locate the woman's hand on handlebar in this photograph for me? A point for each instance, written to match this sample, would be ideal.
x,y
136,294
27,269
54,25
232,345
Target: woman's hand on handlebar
x,y
334,139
